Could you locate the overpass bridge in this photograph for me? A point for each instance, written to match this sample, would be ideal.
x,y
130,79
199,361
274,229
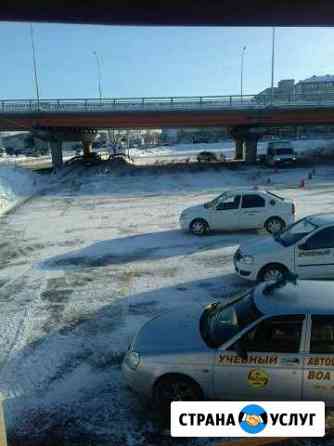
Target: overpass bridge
x,y
247,117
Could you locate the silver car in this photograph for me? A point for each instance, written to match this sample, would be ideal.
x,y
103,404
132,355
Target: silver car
x,y
273,343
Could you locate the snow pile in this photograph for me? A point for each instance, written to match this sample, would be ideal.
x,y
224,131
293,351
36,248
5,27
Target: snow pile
x,y
16,184
213,146
152,151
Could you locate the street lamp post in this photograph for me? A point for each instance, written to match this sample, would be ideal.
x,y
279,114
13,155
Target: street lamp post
x,y
242,72
34,64
99,80
272,65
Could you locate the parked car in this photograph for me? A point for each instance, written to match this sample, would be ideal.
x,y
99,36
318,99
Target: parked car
x,y
280,153
272,343
32,153
207,157
13,152
306,248
239,209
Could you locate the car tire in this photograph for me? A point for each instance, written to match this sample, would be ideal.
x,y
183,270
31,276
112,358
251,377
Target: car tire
x,y
274,225
272,272
175,388
199,226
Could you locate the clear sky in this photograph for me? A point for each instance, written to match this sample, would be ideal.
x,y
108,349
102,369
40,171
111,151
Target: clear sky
x,y
155,61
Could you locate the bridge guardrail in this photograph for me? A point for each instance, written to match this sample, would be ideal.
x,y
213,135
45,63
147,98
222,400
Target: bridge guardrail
x,y
194,103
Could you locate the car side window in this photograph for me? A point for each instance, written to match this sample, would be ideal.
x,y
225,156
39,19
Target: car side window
x,y
322,334
322,239
279,334
253,201
229,203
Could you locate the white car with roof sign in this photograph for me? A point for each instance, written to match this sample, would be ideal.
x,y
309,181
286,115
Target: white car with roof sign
x,y
275,342
306,249
239,209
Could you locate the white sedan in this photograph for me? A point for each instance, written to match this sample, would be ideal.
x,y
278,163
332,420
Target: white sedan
x,y
240,209
306,249
272,343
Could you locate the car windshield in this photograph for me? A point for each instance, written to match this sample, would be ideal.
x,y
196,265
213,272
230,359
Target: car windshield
x,y
296,232
220,321
274,195
212,203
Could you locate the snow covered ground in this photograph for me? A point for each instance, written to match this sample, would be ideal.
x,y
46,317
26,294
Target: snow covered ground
x,y
84,265
303,147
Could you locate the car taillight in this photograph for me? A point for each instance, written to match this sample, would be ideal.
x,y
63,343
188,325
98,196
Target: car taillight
x,y
293,209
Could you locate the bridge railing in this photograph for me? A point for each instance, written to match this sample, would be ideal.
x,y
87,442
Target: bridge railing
x,y
179,103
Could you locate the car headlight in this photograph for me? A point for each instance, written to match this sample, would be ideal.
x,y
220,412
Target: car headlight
x,y
278,159
132,359
248,260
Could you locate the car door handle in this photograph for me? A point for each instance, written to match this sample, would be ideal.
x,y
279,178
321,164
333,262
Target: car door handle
x,y
290,361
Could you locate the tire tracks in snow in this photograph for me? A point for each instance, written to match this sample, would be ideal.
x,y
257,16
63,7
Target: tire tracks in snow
x,y
14,338
22,330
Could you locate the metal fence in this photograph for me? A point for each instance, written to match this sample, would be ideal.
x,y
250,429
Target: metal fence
x,y
194,103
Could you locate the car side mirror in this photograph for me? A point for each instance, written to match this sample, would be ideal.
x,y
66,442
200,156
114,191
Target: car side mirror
x,y
241,350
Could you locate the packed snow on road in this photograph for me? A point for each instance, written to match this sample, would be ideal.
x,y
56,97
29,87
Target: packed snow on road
x,y
84,264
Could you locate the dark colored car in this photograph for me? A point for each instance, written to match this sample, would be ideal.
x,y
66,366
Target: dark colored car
x,y
206,157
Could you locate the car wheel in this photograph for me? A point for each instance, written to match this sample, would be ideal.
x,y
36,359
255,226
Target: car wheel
x,y
175,388
199,227
272,273
274,225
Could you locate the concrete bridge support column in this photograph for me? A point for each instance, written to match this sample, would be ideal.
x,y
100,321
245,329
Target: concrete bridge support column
x,y
56,154
87,138
251,148
239,148
246,139
87,149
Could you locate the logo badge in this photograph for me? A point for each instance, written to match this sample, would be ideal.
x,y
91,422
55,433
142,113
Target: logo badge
x,y
253,419
258,378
